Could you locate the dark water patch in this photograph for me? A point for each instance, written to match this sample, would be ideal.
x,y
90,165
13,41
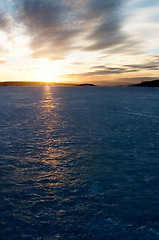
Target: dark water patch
x,y
79,163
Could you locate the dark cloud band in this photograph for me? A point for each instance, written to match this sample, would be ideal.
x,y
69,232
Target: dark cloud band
x,y
55,26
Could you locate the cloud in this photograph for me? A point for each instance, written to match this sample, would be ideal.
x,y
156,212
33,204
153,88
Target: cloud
x,y
5,21
103,72
98,8
100,71
58,28
106,32
51,27
77,63
98,67
2,61
146,66
112,70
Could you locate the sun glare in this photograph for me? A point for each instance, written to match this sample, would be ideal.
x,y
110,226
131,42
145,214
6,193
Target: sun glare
x,y
47,74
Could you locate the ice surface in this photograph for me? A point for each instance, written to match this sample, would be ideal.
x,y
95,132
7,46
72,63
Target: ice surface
x,y
79,163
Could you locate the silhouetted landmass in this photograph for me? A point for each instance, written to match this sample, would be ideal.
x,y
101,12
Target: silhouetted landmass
x,y
86,85
28,83
154,83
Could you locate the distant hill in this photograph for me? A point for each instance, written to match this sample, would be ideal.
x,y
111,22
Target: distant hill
x,y
29,83
154,83
86,85
21,83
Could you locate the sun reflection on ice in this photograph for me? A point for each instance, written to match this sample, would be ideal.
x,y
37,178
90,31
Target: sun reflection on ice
x,y
51,126
47,102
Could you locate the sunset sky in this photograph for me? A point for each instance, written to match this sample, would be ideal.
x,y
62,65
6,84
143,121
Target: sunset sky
x,y
105,42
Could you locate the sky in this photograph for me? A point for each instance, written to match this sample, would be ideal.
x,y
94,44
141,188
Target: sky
x,y
105,42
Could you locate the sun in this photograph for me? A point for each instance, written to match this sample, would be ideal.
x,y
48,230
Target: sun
x,y
47,74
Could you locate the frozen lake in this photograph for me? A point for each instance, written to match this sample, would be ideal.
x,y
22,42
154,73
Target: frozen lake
x,y
79,163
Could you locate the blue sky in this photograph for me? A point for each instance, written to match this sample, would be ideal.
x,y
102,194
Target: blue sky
x,y
100,41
